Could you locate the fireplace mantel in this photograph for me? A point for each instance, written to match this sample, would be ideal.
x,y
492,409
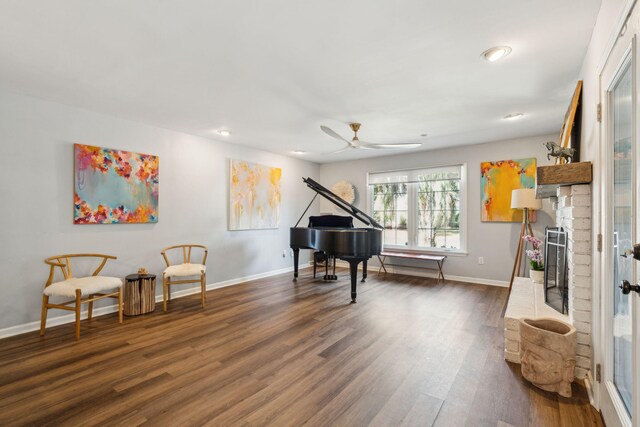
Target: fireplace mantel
x,y
549,178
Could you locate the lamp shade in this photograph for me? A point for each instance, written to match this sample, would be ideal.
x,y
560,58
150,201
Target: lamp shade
x,y
525,198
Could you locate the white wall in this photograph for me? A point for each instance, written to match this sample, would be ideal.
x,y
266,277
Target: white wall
x,y
496,242
36,189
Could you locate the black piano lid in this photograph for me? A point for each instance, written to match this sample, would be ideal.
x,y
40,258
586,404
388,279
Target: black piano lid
x,y
341,203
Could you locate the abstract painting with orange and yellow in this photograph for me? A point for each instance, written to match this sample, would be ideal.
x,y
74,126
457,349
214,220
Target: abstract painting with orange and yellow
x,y
254,196
114,186
497,180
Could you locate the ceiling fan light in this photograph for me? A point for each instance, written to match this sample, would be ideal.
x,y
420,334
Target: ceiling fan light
x,y
496,53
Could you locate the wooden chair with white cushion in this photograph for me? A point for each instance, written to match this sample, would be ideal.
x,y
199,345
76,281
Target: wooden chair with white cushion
x,y
183,271
81,289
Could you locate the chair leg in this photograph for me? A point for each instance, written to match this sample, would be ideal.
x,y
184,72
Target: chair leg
x,y
203,285
120,306
90,312
164,293
78,307
45,309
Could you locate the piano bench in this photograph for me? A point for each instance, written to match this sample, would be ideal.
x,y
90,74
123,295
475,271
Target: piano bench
x,y
439,260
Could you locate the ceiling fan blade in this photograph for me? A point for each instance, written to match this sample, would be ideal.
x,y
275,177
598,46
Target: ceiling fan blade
x,y
339,151
333,134
402,145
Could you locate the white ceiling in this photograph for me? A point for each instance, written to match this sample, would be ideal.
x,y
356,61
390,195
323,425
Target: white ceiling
x,y
273,71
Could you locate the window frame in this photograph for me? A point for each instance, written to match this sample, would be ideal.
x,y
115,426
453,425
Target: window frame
x,y
412,214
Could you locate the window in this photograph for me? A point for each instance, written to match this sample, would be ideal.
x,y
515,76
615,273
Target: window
x,y
421,209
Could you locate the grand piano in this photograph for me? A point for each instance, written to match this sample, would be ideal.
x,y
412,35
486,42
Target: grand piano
x,y
350,244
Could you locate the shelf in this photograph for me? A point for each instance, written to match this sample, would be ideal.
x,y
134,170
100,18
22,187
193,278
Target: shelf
x,y
549,178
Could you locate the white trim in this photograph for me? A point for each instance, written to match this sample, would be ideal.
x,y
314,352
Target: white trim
x,y
588,385
101,311
613,38
419,272
607,399
438,165
623,416
412,207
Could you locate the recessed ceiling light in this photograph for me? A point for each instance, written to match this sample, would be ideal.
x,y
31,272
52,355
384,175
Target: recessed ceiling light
x,y
298,152
513,116
496,53
224,132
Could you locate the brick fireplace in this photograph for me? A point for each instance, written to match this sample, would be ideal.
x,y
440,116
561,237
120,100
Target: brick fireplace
x,y
573,214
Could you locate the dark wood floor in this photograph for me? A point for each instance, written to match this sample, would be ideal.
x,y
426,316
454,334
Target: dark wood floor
x,y
268,352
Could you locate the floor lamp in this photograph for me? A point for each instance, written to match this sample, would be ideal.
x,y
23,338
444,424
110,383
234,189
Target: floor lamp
x,y
525,199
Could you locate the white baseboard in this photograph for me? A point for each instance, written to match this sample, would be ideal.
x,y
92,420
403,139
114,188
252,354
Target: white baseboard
x,y
101,311
588,384
419,272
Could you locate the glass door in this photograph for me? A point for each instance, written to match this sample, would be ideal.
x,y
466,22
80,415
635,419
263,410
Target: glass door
x,y
619,294
622,229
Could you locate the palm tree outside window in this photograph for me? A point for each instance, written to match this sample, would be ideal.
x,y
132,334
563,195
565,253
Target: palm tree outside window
x,y
421,209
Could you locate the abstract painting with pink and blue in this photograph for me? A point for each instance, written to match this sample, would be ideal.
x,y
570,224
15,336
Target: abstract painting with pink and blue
x,y
114,186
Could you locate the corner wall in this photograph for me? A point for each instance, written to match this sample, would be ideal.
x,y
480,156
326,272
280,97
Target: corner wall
x,y
496,242
36,218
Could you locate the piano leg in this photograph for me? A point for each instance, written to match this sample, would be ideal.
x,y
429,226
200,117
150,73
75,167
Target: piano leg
x,y
327,260
353,269
296,256
364,270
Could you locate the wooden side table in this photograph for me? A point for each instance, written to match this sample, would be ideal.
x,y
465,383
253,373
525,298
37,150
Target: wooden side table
x,y
139,294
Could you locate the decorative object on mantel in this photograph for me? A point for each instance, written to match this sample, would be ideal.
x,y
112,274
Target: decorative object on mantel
x,y
142,271
345,190
525,199
536,272
548,354
570,133
497,180
549,178
564,154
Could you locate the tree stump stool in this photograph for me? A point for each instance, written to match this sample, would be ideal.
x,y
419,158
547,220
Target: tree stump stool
x,y
139,294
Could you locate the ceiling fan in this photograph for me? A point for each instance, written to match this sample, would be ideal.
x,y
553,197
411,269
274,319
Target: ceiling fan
x,y
357,144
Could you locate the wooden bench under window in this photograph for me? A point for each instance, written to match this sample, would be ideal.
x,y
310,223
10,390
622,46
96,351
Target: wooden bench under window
x,y
438,259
